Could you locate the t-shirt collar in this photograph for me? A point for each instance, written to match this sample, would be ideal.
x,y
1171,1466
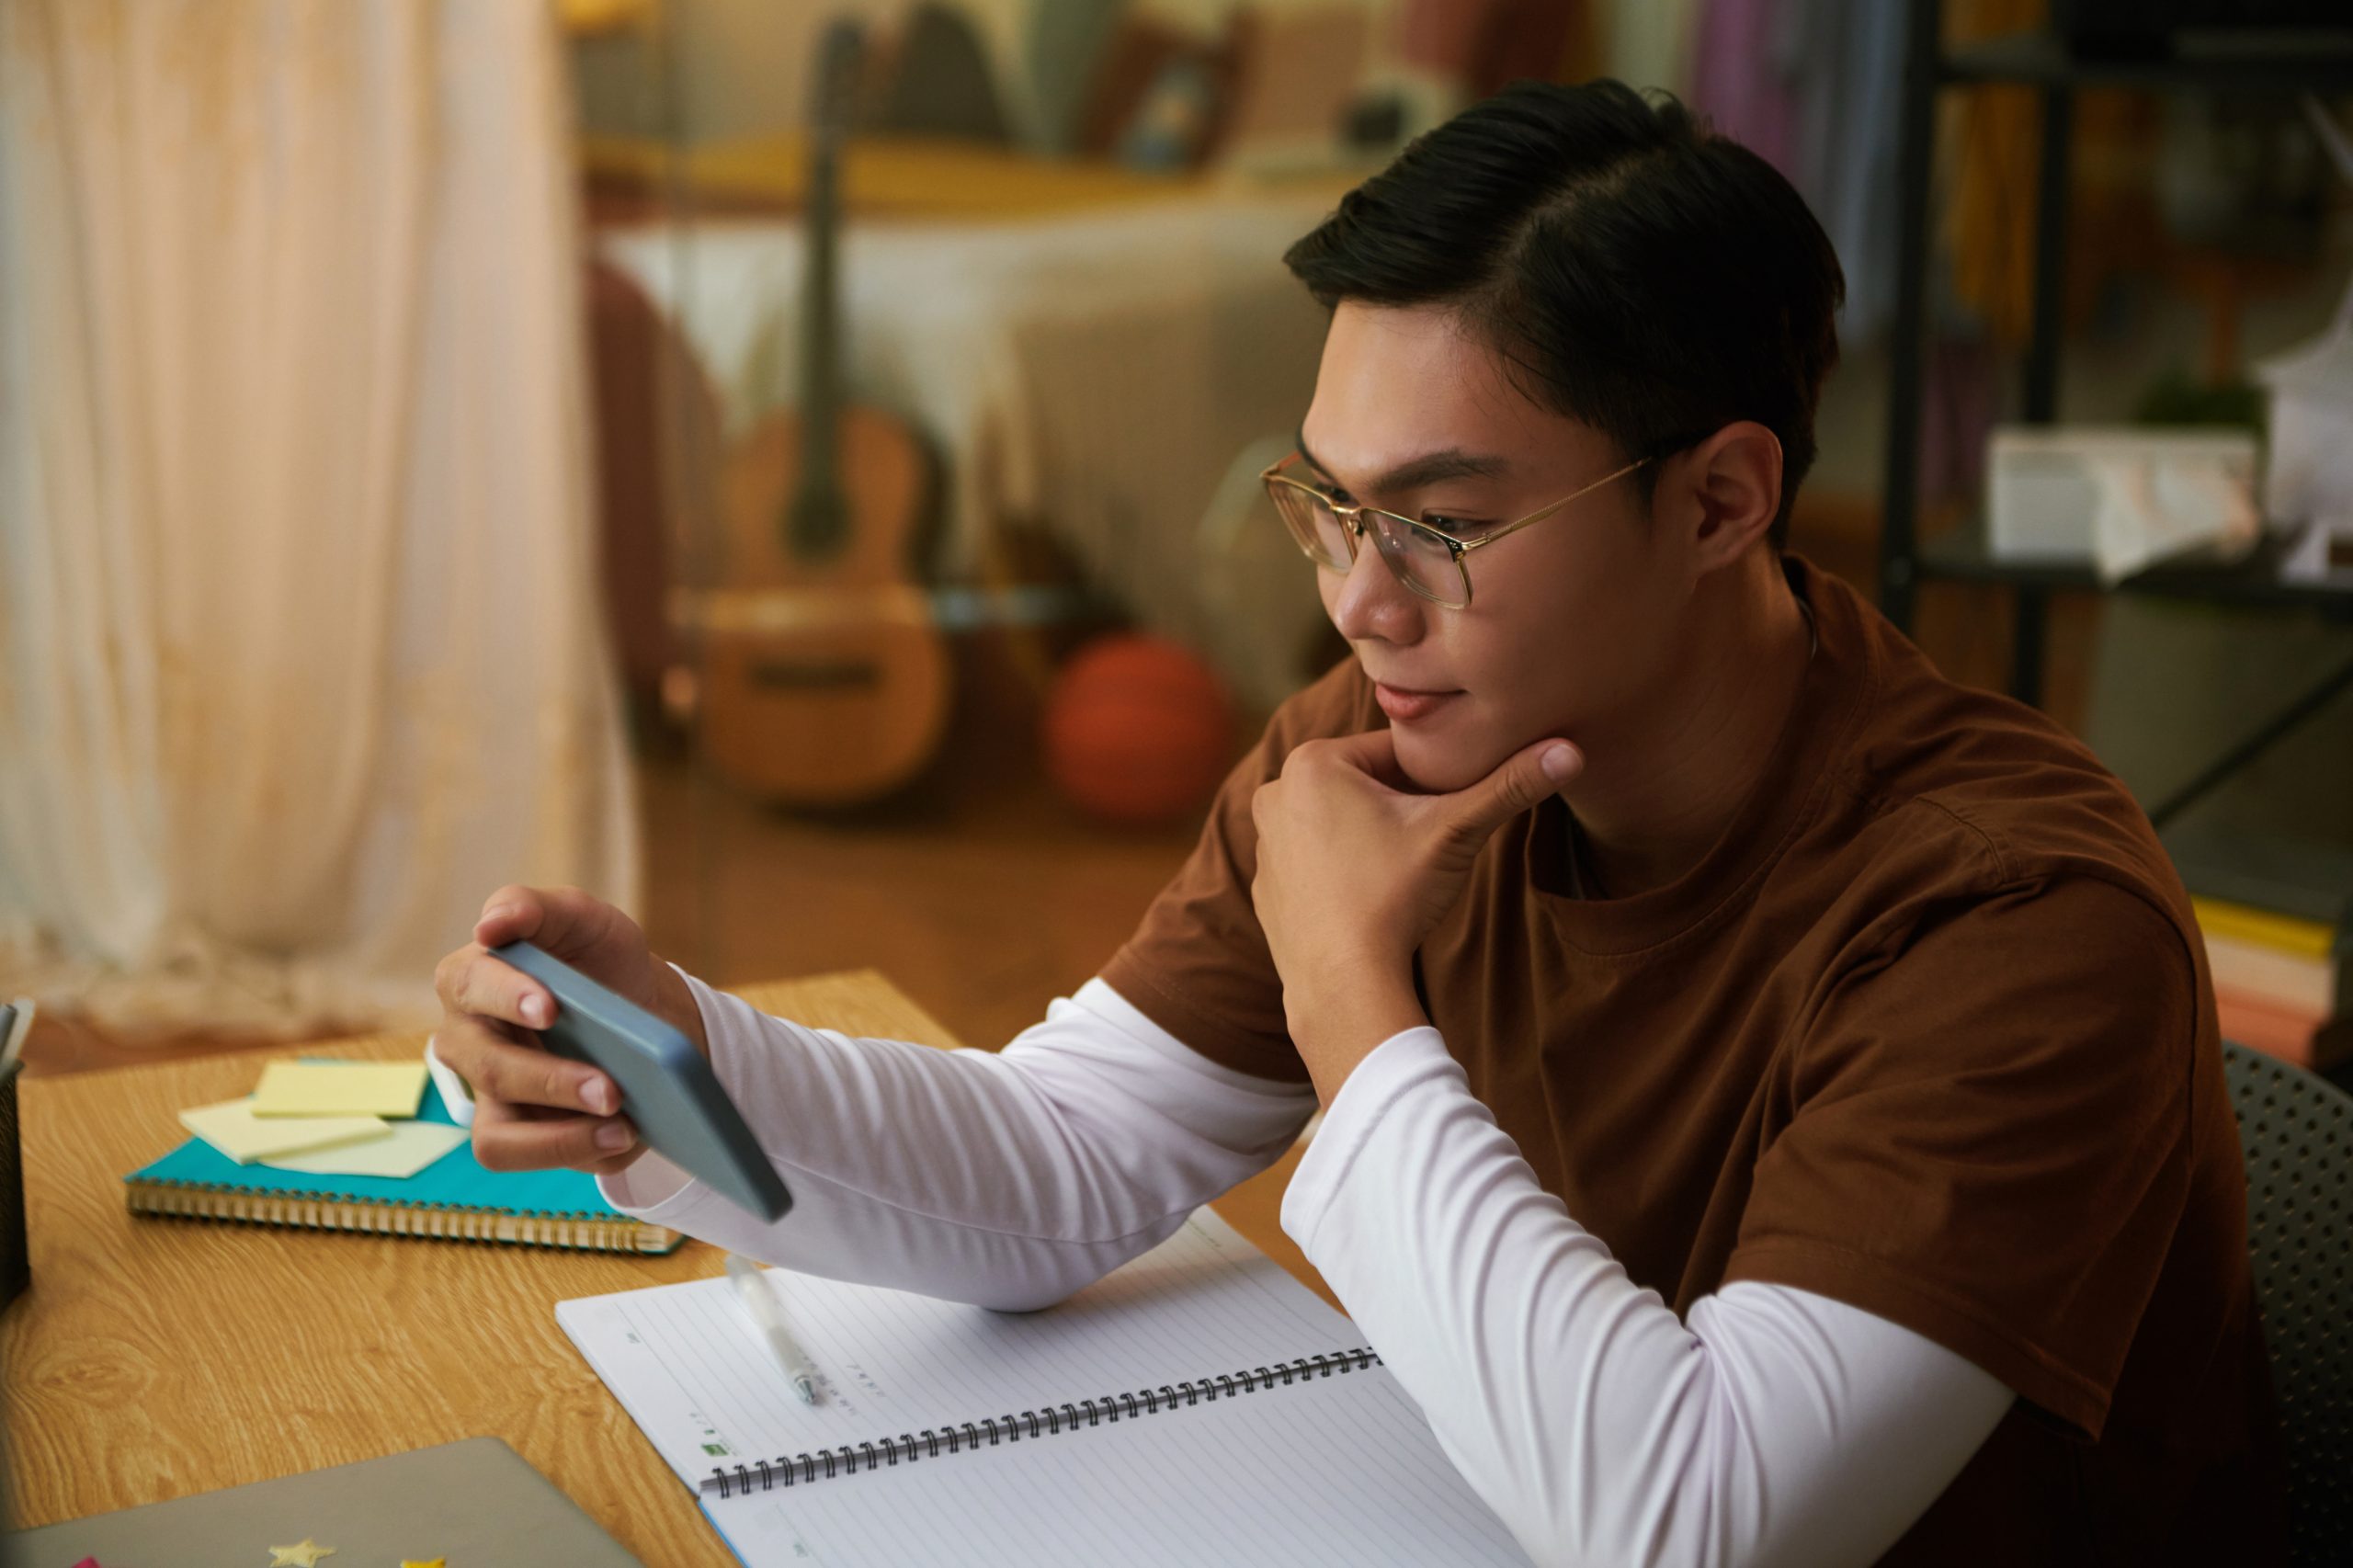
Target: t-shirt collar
x,y
1840,668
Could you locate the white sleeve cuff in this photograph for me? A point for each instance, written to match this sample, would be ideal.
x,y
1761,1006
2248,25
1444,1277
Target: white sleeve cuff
x,y
654,1189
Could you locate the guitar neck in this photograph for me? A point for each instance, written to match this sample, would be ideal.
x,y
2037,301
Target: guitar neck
x,y
819,520
820,329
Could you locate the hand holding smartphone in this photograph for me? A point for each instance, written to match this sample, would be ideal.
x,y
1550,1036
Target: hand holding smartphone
x,y
668,1088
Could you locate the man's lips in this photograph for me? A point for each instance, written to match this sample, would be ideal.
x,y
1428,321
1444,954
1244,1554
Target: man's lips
x,y
1403,704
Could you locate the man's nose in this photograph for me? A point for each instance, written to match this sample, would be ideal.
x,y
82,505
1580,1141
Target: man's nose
x,y
1372,603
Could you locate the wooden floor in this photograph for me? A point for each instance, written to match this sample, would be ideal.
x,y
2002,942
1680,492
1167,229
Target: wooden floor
x,y
980,892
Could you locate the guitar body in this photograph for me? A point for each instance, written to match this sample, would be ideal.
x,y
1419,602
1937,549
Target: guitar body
x,y
826,682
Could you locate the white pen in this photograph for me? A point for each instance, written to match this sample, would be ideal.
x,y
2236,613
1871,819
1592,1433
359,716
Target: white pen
x,y
767,1313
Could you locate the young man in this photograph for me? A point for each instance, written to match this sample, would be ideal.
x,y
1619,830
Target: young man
x,y
1773,1111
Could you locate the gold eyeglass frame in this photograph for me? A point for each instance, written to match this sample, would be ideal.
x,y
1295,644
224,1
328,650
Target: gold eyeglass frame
x,y
1352,517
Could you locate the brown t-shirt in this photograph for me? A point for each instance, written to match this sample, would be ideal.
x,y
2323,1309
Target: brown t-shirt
x,y
1928,1031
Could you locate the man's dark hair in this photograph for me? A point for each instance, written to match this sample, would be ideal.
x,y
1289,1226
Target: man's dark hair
x,y
1640,273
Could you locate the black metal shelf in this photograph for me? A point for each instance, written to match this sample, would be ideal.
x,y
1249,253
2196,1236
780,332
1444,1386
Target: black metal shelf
x,y
2300,61
2317,61
1961,554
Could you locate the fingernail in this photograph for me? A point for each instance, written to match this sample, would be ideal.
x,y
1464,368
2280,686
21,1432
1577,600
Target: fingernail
x,y
1560,764
498,912
535,1010
599,1095
612,1135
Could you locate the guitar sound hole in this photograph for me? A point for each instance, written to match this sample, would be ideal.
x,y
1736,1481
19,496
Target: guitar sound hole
x,y
839,675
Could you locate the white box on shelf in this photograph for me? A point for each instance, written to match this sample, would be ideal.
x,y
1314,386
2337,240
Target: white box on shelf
x,y
2310,482
2117,497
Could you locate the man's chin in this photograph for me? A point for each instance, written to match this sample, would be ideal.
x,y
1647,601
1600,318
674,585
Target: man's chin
x,y
1439,764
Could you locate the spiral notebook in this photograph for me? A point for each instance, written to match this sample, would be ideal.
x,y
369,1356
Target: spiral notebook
x,y
1197,1405
453,1199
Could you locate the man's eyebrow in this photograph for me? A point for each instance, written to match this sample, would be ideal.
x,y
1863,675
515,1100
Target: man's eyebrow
x,y
1416,473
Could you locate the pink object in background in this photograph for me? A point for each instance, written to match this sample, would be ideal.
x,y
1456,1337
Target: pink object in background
x,y
2263,1024
1739,78
1484,44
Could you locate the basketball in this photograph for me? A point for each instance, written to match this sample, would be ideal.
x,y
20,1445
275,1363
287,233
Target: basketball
x,y
1138,731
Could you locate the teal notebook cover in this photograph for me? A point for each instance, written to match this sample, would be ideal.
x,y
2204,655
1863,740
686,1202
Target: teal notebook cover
x,y
543,1207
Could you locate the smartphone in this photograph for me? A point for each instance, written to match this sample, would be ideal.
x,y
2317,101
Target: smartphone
x,y
667,1088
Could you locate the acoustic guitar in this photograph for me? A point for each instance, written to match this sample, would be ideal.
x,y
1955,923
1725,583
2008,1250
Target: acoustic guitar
x,y
825,680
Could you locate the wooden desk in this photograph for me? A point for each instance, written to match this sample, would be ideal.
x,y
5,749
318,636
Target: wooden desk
x,y
157,1357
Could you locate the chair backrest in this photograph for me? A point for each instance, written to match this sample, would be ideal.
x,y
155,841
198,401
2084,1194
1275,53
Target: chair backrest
x,y
2297,1133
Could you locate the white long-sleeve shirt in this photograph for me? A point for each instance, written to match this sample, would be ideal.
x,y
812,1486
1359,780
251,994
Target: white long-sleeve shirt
x,y
1775,1426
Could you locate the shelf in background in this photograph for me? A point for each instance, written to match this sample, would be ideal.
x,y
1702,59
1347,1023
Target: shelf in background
x,y
2307,880
1961,555
2320,61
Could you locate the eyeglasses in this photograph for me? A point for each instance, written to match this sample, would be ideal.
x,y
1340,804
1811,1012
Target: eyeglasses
x,y
1428,560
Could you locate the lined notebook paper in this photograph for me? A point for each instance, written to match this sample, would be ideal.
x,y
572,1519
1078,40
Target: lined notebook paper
x,y
1197,1405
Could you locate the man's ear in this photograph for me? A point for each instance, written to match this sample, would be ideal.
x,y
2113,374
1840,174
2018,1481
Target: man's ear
x,y
1734,481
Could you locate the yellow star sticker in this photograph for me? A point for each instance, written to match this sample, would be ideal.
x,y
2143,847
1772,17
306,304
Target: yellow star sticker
x,y
306,1555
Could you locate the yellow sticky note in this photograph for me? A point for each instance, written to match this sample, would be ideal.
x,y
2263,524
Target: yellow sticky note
x,y
234,1128
406,1148
340,1088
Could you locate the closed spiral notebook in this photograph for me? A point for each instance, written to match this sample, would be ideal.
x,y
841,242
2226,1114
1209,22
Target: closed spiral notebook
x,y
1197,1405
452,1200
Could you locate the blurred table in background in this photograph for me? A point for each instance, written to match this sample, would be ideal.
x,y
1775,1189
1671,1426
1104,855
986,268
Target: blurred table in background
x,y
1089,350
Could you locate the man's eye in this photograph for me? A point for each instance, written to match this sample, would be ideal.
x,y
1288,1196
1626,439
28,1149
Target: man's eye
x,y
1460,528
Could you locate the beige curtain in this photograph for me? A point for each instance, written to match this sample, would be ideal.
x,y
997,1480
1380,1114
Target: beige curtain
x,y
299,647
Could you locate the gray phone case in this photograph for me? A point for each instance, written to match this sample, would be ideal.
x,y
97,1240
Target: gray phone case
x,y
668,1088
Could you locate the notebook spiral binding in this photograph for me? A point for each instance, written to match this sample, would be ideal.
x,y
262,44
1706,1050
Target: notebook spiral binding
x,y
326,1212
766,1475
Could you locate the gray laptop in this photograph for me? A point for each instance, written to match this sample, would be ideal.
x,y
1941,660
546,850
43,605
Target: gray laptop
x,y
473,1503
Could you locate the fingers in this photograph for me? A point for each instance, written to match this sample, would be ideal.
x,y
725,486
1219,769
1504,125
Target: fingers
x,y
471,982
522,1074
1562,764
562,920
1367,749
1518,782
513,913
1372,753
513,1137
534,1110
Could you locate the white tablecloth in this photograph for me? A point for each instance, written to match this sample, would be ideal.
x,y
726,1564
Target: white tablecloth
x,y
1099,373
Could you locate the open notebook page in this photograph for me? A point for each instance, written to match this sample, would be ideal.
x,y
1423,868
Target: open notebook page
x,y
689,1367
1339,1472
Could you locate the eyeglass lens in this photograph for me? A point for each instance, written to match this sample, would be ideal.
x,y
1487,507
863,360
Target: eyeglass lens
x,y
1422,561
